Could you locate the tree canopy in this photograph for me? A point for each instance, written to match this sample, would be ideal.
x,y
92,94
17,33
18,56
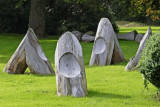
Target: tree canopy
x,y
60,15
81,15
152,8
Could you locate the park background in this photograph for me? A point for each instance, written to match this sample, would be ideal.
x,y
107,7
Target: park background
x,y
107,85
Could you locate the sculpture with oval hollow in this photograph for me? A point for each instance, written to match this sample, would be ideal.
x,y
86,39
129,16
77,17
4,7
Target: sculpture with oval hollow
x,y
69,67
100,46
29,54
106,49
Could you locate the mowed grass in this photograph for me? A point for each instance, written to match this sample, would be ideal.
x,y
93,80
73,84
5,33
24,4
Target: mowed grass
x,y
126,26
141,30
108,86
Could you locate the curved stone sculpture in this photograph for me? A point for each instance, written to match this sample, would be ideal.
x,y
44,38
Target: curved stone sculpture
x,y
29,54
132,64
106,49
69,67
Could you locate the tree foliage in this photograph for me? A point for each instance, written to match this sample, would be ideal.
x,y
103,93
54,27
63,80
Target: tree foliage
x,y
82,15
152,7
126,10
60,15
13,18
150,60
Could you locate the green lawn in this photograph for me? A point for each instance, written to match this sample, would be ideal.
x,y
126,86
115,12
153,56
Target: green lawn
x,y
126,26
108,86
141,30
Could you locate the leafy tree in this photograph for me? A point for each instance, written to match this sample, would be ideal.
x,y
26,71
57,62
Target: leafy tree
x,y
57,16
152,8
13,18
126,10
120,9
77,15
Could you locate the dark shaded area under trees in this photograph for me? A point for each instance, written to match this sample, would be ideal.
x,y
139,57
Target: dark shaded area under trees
x,y
67,15
60,15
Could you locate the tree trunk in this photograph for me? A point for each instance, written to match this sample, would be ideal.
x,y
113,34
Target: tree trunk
x,y
106,49
69,67
29,54
132,64
36,18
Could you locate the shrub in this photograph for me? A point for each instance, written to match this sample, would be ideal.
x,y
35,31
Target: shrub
x,y
149,64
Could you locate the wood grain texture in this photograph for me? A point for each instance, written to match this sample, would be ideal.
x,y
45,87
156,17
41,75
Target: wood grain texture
x,y
128,36
132,64
106,49
139,38
69,67
29,54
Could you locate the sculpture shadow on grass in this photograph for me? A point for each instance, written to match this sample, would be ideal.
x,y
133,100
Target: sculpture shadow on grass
x,y
36,75
92,93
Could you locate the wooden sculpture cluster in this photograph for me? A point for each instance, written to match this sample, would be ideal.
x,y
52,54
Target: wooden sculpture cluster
x,y
69,64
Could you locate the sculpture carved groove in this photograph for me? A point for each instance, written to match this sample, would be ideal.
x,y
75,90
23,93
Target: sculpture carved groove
x,y
69,67
29,54
106,49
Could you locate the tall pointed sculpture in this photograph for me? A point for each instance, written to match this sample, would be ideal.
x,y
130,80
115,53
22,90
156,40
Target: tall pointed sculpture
x,y
132,64
69,67
106,49
29,54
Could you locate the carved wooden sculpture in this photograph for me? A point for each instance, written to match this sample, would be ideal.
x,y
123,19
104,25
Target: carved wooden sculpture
x,y
29,54
128,36
69,67
106,49
135,60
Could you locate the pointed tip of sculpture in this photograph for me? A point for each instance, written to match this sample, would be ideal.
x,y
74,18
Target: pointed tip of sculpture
x,y
30,30
67,33
150,30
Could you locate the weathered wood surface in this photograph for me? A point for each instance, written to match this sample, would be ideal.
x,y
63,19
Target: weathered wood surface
x,y
106,49
132,64
117,52
139,38
87,38
69,67
78,35
29,54
128,36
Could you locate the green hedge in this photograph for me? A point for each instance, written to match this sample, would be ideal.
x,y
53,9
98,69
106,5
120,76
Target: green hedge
x,y
149,64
